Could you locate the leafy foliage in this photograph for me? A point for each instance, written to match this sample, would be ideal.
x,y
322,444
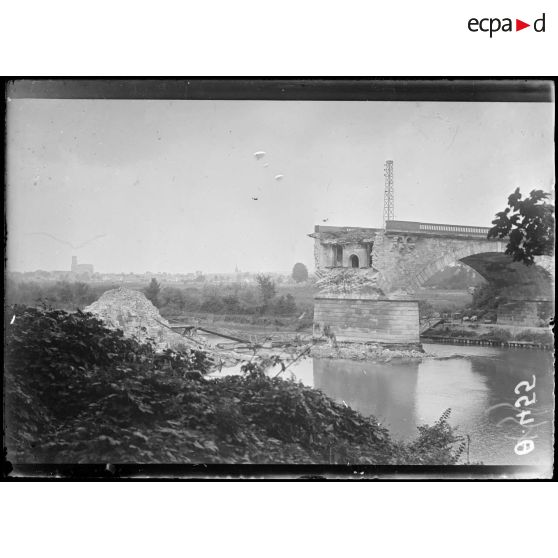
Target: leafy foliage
x,y
529,223
285,305
535,336
486,299
497,334
267,289
78,392
426,310
436,445
62,294
61,366
300,272
152,292
234,300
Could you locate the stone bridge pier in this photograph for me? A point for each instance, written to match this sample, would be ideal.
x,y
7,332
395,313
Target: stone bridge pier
x,y
368,278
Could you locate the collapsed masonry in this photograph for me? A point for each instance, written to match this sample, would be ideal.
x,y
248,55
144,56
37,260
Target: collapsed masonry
x,y
131,312
347,280
138,318
354,304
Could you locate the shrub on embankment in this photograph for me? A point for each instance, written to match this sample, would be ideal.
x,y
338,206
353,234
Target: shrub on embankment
x,y
77,392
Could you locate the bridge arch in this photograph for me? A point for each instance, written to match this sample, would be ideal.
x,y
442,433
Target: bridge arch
x,y
516,280
454,256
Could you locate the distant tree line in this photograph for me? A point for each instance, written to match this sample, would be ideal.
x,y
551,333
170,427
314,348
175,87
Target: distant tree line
x,y
261,299
60,294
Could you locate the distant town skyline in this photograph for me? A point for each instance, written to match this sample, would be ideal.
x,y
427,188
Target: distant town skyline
x,y
176,186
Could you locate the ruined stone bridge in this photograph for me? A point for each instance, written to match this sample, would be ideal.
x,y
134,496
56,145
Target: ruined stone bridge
x,y
367,277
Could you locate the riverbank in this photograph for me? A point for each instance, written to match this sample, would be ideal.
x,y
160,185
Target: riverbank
x,y
486,342
490,335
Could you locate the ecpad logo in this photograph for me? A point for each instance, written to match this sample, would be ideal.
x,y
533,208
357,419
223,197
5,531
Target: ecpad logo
x,y
493,25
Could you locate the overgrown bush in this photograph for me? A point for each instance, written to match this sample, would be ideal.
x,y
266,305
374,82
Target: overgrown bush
x,y
78,392
534,336
436,445
497,334
62,294
451,332
426,310
486,299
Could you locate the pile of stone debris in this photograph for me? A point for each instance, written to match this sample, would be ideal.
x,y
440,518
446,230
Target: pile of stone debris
x,y
350,281
374,352
139,319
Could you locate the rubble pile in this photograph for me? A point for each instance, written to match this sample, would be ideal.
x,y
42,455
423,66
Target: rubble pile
x,y
138,318
350,281
374,352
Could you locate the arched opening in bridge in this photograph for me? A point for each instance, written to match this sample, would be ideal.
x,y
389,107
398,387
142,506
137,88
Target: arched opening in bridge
x,y
354,261
337,255
513,294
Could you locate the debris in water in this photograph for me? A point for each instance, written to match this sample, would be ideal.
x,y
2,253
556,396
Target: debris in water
x,y
279,176
259,154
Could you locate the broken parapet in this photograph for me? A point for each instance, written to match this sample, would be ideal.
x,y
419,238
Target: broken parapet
x,y
138,318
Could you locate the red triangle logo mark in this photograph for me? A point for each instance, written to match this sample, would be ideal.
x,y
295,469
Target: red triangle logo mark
x,y
519,25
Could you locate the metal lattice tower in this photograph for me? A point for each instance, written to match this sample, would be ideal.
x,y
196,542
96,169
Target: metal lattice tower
x,y
388,193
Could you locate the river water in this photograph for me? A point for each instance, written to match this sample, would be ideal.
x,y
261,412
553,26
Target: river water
x,y
476,382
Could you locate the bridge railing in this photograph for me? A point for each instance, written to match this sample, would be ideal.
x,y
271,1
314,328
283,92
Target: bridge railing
x,y
436,228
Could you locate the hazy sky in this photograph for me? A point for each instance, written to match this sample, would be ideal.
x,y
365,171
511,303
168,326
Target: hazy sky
x,y
168,185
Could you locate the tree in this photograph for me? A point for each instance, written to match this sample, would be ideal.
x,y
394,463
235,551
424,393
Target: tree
x,y
300,272
486,299
171,298
152,291
267,289
426,310
285,306
529,224
82,295
231,303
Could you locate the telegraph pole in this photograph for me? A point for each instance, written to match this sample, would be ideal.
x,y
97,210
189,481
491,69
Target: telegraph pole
x,y
388,193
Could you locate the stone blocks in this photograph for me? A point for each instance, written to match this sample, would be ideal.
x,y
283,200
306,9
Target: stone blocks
x,y
530,313
361,319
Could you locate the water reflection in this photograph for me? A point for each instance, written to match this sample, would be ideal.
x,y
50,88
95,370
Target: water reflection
x,y
387,391
469,380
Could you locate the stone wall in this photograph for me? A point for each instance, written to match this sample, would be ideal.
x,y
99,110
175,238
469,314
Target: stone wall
x,y
358,250
342,280
377,304
357,318
407,262
525,313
